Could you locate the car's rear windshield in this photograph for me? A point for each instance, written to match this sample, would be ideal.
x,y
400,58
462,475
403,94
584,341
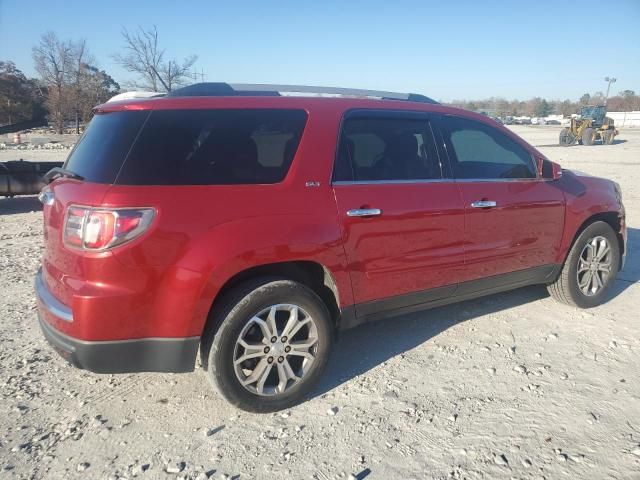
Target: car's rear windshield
x,y
189,147
100,152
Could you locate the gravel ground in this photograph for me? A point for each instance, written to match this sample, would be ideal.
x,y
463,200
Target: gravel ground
x,y
509,386
37,146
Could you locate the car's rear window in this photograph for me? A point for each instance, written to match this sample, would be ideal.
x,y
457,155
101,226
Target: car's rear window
x,y
100,152
214,147
189,147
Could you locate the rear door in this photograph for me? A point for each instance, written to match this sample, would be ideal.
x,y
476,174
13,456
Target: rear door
x,y
402,219
514,219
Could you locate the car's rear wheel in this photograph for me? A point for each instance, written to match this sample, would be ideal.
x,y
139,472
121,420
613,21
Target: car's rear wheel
x,y
590,268
271,346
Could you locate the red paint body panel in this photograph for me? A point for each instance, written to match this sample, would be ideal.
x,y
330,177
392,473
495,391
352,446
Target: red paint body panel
x,y
522,231
586,196
163,283
416,244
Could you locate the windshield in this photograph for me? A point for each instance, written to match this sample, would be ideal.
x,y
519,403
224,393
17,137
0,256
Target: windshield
x,y
592,112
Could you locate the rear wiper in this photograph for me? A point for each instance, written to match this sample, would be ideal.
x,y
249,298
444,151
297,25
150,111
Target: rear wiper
x,y
56,172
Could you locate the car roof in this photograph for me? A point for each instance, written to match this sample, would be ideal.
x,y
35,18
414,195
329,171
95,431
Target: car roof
x,y
203,95
308,103
258,96
339,105
332,105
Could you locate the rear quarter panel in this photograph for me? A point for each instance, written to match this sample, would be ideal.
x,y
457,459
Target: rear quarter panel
x,y
204,235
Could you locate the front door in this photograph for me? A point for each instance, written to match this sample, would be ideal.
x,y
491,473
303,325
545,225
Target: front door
x,y
403,223
513,218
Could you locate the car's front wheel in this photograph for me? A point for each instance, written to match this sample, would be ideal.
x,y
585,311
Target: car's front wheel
x,y
590,268
271,346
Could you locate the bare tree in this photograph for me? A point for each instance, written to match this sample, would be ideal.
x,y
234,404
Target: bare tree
x,y
598,98
72,83
145,58
81,58
174,74
97,87
53,61
142,56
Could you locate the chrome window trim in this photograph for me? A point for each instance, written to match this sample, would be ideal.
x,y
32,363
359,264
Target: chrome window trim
x,y
440,180
500,180
392,182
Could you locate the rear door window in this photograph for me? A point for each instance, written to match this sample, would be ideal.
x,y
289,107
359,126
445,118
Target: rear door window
x,y
386,149
214,147
482,152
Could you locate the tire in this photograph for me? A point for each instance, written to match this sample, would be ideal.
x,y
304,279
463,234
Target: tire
x,y
607,137
566,288
566,137
588,136
236,319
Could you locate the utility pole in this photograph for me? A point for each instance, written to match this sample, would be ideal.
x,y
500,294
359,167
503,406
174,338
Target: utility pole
x,y
197,74
609,81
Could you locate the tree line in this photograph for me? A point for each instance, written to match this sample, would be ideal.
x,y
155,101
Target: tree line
x,y
70,82
625,101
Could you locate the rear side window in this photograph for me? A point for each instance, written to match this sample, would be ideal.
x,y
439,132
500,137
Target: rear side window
x,y
100,152
379,149
483,152
214,147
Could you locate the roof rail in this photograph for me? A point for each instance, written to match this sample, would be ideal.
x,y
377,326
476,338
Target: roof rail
x,y
247,89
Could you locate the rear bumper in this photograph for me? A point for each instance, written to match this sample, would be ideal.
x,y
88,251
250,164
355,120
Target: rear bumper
x,y
113,356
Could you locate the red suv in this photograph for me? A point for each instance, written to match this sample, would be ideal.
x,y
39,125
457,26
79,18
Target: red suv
x,y
251,225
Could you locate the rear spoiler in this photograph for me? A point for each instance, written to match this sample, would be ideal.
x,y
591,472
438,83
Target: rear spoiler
x,y
134,95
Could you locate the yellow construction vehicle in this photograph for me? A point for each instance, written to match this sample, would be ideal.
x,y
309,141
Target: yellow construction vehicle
x,y
591,126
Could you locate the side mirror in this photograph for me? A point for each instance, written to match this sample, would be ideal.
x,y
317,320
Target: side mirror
x,y
556,171
548,170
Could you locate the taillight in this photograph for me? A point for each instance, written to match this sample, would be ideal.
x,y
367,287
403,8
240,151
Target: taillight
x,y
97,229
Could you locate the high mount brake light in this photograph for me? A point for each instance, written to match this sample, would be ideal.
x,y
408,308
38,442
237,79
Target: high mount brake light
x,y
99,229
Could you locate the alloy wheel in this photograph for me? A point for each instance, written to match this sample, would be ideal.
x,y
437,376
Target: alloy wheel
x,y
594,266
275,349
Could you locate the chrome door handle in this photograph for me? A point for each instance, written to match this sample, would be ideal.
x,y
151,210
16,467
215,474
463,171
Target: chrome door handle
x,y
483,204
364,212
